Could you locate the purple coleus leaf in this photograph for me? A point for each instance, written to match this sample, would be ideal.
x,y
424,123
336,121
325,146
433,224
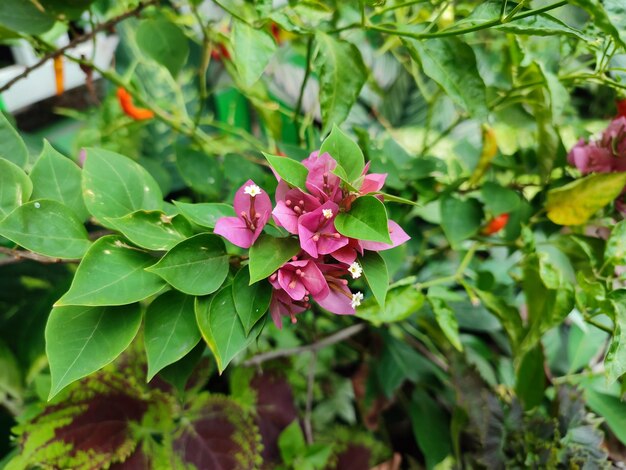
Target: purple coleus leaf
x,y
317,232
253,208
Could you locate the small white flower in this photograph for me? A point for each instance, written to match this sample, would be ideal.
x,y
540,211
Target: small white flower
x,y
252,190
356,270
356,299
328,213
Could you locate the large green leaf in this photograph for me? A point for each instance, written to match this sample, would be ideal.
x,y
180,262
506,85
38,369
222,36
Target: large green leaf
x,y
24,17
152,229
221,328
498,199
112,273
164,42
531,378
268,254
611,408
366,220
13,148
431,428
615,359
15,187
576,202
400,303
253,49
81,340
196,266
114,185
376,275
342,75
46,227
251,300
451,63
170,330
292,171
460,219
203,172
205,214
347,153
609,16
56,177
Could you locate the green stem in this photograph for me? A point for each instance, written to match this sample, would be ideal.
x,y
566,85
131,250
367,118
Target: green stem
x,y
599,325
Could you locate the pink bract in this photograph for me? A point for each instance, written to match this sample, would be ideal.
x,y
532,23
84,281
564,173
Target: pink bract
x,y
317,232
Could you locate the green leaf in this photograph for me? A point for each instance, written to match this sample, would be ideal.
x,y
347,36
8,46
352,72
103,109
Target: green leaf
x,y
609,17
251,300
291,442
46,227
152,229
347,153
56,177
221,328
114,185
205,214
611,408
112,273
81,340
531,378
446,319
291,171
15,187
376,275
451,63
366,220
508,315
196,266
204,173
615,359
253,49
615,251
499,200
24,17
164,42
342,75
400,303
13,147
10,374
576,202
268,254
431,428
170,330
460,219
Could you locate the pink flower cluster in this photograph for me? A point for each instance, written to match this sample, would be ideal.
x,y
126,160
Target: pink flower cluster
x,y
327,258
604,155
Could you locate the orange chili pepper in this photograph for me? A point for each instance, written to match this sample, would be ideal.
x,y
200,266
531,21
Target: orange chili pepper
x,y
496,224
126,103
58,74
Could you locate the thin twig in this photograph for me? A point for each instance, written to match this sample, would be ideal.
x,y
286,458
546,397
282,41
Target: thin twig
x,y
310,384
20,255
78,40
341,335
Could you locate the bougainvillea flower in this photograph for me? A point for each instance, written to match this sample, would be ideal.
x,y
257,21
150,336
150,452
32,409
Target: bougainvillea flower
x,y
300,279
397,235
614,138
253,208
589,158
317,232
372,182
292,205
348,253
340,300
321,182
282,305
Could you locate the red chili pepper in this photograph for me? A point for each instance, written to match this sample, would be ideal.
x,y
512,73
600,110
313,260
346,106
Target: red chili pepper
x,y
220,52
275,30
496,224
126,103
621,108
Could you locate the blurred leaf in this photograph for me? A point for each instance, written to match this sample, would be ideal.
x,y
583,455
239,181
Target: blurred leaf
x,y
221,328
291,442
114,185
10,373
342,76
608,16
251,300
202,172
582,346
401,302
170,331
15,187
366,220
24,17
615,251
531,379
164,42
576,202
82,340
615,359
205,214
112,273
13,148
56,177
46,227
431,428
253,49
498,199
446,319
451,63
376,275
611,408
152,229
268,254
196,266
460,219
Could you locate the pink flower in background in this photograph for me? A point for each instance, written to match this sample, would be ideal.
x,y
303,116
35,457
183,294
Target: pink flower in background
x,y
606,155
317,232
253,208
